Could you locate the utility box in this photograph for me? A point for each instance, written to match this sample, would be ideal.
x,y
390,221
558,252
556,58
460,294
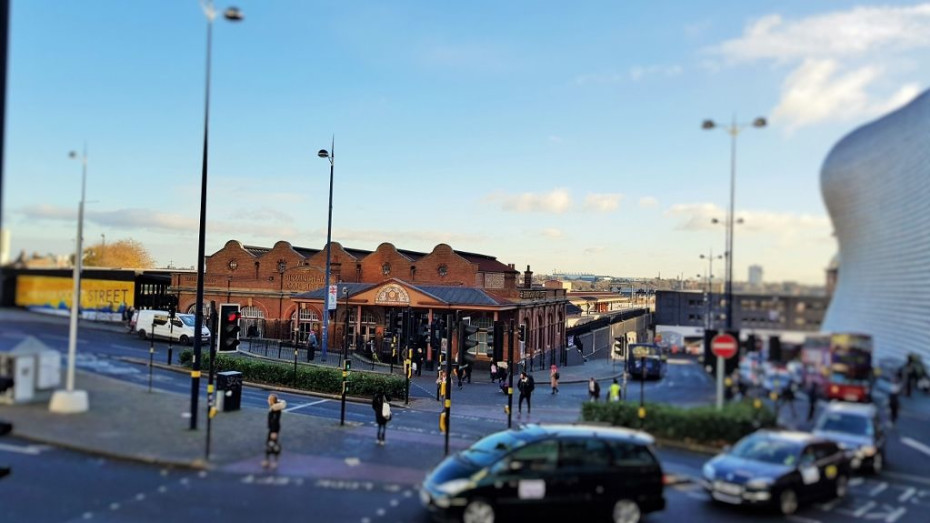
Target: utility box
x,y
35,370
229,390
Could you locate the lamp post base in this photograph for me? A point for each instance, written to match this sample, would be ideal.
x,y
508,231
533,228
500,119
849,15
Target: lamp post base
x,y
69,402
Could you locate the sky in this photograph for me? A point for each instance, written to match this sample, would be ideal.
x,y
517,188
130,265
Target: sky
x,y
561,135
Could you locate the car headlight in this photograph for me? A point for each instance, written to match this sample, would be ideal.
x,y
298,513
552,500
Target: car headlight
x,y
760,483
453,487
708,471
867,451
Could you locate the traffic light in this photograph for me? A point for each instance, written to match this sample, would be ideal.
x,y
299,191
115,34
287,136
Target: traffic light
x,y
229,328
522,333
496,343
469,339
400,321
618,347
172,310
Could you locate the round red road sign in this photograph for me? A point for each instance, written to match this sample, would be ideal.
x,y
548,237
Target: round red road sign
x,y
724,346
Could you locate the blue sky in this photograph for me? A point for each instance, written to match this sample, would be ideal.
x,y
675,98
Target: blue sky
x,y
562,136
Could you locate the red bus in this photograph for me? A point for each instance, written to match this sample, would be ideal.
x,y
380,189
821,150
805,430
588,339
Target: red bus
x,y
840,365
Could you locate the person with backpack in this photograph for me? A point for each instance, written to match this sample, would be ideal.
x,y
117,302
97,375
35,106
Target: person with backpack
x,y
525,386
594,389
554,378
382,408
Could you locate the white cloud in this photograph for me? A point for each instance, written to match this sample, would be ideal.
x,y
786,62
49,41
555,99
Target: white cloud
x,y
648,201
556,201
844,60
597,249
552,233
639,72
854,32
602,202
787,228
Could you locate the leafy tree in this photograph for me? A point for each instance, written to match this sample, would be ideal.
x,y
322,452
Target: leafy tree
x,y
121,253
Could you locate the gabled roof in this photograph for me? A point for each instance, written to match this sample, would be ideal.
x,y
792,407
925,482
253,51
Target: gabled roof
x,y
256,251
459,295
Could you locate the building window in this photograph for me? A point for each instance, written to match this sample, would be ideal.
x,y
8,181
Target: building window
x,y
385,268
253,317
304,321
443,270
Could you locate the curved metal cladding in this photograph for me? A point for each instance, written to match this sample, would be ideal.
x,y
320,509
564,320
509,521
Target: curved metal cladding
x,y
876,186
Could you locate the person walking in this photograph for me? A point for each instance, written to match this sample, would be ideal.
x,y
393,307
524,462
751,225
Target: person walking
x,y
493,371
273,441
613,394
439,381
812,393
525,386
894,402
382,407
554,378
418,362
594,389
787,396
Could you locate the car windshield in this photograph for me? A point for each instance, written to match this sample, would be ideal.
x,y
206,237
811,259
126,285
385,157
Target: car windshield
x,y
188,319
847,423
768,450
490,449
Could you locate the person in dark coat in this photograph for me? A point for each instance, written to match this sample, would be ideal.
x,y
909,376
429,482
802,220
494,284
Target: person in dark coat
x,y
812,405
382,409
526,385
594,389
894,402
273,441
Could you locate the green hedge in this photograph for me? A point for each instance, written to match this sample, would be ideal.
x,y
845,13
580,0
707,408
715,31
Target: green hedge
x,y
702,425
314,378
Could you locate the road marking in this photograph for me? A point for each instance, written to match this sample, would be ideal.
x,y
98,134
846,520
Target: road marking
x,y
393,502
353,462
305,405
855,482
88,515
907,477
827,507
114,506
916,445
380,512
878,489
140,497
32,450
910,491
864,509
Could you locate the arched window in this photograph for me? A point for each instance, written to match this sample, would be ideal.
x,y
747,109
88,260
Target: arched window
x,y
253,322
305,320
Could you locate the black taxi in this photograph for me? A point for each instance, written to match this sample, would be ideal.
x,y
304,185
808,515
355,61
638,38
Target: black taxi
x,y
778,468
548,471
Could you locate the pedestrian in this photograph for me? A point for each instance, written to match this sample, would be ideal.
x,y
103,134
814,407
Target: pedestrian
x,y
382,407
418,363
594,389
440,379
554,378
493,371
613,394
458,372
273,441
787,396
893,401
525,386
812,400
467,371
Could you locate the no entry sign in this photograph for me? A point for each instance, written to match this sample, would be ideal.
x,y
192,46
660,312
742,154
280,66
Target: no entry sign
x,y
724,346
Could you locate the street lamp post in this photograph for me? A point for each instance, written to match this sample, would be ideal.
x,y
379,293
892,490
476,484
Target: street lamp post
x,y
331,156
234,15
71,401
733,130
709,320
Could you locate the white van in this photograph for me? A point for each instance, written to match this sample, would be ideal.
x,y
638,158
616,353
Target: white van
x,y
181,329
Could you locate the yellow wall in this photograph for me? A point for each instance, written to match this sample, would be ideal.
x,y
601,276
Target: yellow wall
x,y
55,293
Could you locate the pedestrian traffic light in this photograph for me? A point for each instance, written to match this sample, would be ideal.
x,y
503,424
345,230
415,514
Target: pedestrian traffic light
x,y
229,328
618,347
400,324
522,333
469,338
172,310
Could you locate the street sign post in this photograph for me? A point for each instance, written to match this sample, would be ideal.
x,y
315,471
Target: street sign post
x,y
724,346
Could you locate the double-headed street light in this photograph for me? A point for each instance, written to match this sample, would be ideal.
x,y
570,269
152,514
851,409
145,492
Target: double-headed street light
x,y
70,401
709,296
733,130
331,156
234,15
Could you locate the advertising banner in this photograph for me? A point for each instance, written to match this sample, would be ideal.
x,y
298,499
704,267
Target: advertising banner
x,y
53,294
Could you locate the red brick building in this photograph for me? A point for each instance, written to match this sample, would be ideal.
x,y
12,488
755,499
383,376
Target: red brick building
x,y
280,292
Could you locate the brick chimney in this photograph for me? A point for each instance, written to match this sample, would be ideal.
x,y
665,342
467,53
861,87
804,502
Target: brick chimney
x,y
528,278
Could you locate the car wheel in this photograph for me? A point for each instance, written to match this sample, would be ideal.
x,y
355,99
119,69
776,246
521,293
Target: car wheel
x,y
141,333
842,487
184,340
787,502
878,463
478,511
626,511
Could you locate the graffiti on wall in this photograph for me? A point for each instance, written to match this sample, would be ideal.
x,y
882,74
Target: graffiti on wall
x,y
49,293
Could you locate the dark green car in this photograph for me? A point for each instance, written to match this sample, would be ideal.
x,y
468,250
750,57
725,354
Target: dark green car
x,y
548,470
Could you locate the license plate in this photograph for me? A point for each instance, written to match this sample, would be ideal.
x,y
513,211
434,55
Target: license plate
x,y
851,397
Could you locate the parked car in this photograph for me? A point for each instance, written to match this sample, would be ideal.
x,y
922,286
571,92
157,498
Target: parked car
x,y
146,323
545,471
778,468
857,428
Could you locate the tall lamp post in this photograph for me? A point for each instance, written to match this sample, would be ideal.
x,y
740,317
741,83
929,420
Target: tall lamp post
x,y
709,320
234,15
733,130
331,156
71,401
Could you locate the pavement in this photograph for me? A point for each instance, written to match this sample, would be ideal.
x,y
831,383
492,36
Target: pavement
x,y
126,421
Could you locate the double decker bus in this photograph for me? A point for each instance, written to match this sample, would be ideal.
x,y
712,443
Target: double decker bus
x,y
839,365
646,360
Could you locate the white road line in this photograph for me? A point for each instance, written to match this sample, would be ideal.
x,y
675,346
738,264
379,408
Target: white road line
x,y
916,445
910,491
31,450
864,509
855,482
302,405
878,489
906,477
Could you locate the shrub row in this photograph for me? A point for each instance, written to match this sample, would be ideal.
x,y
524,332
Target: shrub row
x,y
701,425
313,378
